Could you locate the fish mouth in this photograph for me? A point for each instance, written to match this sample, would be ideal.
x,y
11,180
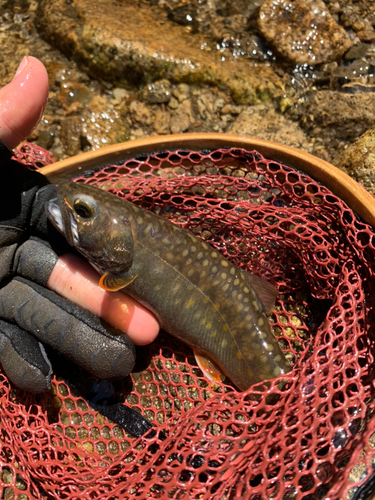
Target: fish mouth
x,y
56,216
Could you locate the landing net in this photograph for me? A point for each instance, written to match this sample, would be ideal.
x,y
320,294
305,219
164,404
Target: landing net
x,y
312,438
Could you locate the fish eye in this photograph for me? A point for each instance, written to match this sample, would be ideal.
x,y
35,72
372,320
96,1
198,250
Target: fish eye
x,y
85,208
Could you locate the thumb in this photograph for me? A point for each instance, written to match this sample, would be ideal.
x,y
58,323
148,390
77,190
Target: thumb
x,y
22,101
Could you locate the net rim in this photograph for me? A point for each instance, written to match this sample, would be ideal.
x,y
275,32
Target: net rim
x,y
349,190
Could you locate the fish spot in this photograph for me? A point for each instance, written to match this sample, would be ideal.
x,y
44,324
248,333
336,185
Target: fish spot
x,y
249,372
248,317
223,276
224,343
238,355
236,282
214,269
206,300
199,255
176,287
240,296
260,322
246,290
246,309
224,263
269,347
189,261
209,325
169,256
203,274
214,255
225,328
196,315
234,293
225,287
190,272
205,263
203,322
233,271
277,358
185,253
189,304
140,219
193,248
213,334
276,371
255,304
166,240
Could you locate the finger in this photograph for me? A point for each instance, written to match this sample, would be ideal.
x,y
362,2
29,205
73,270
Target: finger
x,y
74,332
77,281
22,101
24,359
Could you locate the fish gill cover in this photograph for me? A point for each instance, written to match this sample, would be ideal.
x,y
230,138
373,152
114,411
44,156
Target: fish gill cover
x,y
312,437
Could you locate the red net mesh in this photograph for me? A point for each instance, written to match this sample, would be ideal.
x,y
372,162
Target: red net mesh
x,y
313,437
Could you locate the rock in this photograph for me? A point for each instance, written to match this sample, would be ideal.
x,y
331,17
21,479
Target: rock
x,y
179,123
162,122
99,125
358,160
70,135
128,44
302,31
265,123
338,116
13,49
181,92
157,92
73,92
140,113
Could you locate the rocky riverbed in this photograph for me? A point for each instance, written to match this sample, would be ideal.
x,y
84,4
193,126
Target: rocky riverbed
x,y
298,72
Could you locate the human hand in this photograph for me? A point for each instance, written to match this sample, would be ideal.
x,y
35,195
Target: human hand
x,y
28,263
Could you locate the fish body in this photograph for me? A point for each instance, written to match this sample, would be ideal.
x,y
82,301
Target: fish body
x,y
197,295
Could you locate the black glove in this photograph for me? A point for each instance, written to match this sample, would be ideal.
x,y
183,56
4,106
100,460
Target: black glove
x,y
29,248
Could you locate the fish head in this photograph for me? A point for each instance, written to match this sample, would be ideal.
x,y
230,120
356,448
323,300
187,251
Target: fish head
x,y
93,221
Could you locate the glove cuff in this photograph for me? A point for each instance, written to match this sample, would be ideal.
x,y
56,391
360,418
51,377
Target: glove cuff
x,y
5,153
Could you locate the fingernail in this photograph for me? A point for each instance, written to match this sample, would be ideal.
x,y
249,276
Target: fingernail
x,y
22,65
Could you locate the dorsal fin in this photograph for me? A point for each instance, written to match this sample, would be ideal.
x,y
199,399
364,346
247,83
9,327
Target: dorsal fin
x,y
266,292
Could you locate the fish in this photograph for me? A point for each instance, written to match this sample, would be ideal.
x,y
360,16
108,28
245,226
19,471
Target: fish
x,y
196,294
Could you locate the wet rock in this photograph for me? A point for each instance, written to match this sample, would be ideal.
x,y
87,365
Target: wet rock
x,y
302,31
358,15
70,135
265,123
73,92
13,49
129,44
358,160
357,51
98,125
337,116
102,125
157,93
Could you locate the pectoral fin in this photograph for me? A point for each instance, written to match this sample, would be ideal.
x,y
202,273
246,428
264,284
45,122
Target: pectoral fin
x,y
209,368
113,283
266,292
